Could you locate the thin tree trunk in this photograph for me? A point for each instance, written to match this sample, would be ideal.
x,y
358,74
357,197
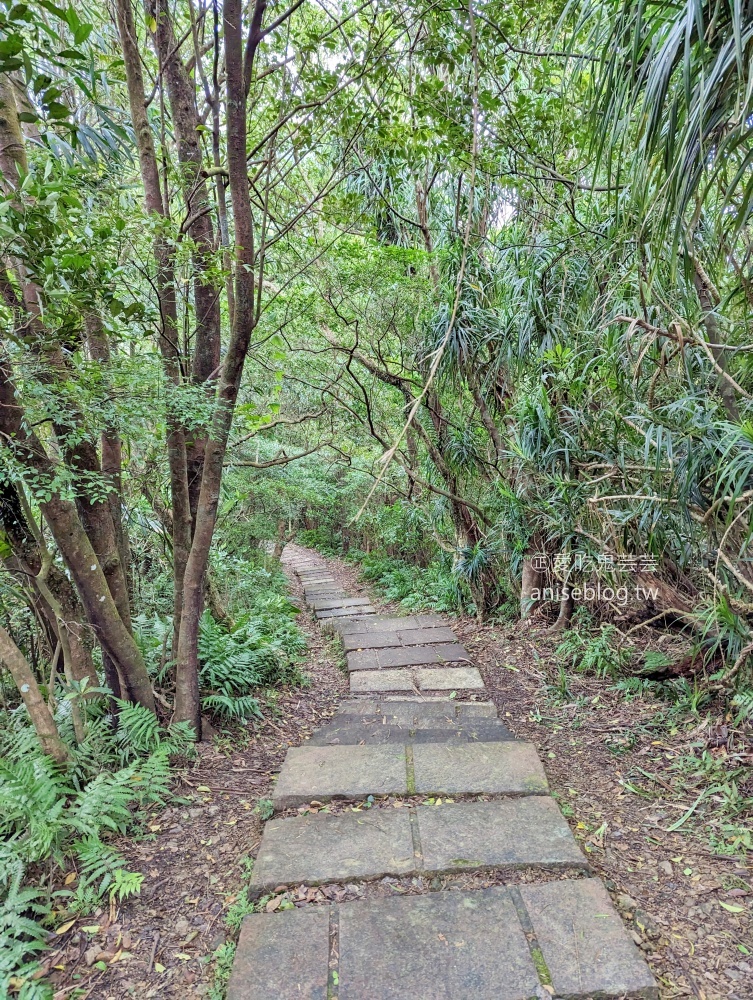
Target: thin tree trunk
x,y
76,548
532,580
185,119
176,438
26,682
112,451
187,707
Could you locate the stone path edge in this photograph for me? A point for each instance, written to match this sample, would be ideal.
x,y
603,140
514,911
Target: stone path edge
x,y
324,979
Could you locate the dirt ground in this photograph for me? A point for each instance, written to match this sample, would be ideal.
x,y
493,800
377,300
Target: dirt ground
x,y
161,943
612,769
688,908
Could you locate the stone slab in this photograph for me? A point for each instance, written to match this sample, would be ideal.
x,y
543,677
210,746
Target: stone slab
x,y
346,612
418,708
389,623
441,946
370,681
406,656
325,848
400,711
296,941
509,768
375,734
327,604
397,637
508,832
450,679
312,772
584,943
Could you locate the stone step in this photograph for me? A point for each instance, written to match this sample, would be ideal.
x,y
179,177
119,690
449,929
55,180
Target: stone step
x,y
452,945
390,623
397,637
416,708
328,604
376,734
428,840
406,656
438,679
362,612
407,723
354,772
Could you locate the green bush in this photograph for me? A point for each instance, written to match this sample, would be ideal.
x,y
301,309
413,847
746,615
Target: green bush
x,y
53,816
414,587
599,654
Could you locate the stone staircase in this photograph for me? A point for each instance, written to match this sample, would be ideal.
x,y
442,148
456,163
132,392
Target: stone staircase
x,y
416,786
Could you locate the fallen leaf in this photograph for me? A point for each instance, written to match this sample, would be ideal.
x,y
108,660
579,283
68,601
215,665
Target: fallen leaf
x,y
65,927
158,967
731,907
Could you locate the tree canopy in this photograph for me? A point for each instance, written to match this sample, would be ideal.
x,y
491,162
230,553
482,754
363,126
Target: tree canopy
x,y
469,286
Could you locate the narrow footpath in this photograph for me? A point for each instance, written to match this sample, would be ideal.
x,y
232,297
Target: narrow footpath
x,y
416,783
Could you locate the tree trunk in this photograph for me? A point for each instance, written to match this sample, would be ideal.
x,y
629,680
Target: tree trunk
x,y
112,452
244,321
532,581
26,682
176,439
185,118
75,547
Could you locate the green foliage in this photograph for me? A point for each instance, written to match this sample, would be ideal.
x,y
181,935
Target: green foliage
x,y
64,817
260,650
599,654
21,909
743,702
223,959
414,587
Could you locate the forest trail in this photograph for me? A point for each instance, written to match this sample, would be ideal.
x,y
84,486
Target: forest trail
x,y
463,798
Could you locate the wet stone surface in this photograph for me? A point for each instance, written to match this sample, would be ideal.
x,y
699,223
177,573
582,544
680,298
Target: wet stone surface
x,y
406,656
505,833
396,637
365,610
368,681
386,623
449,679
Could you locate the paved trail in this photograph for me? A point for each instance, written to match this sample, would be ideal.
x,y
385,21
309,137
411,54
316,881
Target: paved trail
x,y
418,725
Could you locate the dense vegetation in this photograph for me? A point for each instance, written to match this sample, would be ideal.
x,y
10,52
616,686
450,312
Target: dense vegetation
x,y
461,293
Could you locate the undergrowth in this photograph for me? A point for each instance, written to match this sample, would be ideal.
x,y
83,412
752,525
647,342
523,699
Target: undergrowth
x,y
415,588
260,649
55,821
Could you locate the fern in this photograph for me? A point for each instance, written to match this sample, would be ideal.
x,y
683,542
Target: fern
x,y
104,803
125,884
597,655
138,728
239,707
32,801
21,934
149,779
743,701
